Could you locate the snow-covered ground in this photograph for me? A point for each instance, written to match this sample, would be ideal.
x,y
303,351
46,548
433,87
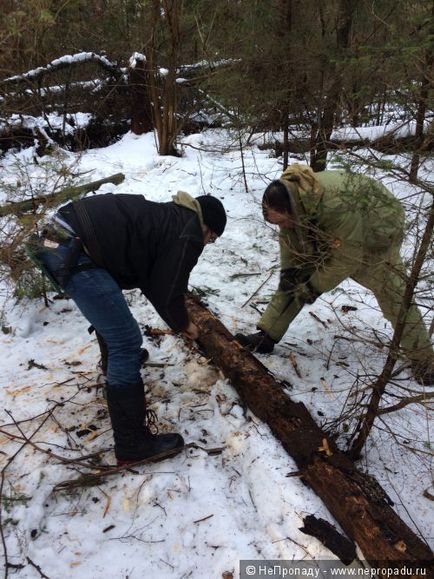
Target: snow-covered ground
x,y
196,515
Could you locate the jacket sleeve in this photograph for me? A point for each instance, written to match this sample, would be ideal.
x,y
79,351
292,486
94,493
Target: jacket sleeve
x,y
341,254
284,305
169,280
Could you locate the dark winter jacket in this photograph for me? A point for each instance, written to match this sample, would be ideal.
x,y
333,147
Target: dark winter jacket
x,y
143,244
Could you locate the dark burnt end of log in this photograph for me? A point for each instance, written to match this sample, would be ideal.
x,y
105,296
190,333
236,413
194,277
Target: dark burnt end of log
x,y
329,536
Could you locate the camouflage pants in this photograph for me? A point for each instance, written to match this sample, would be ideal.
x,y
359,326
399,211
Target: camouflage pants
x,y
385,276
382,273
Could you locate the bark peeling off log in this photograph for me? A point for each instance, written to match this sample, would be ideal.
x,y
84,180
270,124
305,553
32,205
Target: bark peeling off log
x,y
356,501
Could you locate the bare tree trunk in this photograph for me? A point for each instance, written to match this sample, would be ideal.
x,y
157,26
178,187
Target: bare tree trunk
x,y
285,144
426,87
318,159
170,106
141,114
355,499
286,10
164,91
152,69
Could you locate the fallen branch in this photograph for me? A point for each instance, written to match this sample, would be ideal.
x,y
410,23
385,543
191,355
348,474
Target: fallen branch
x,y
58,197
36,75
419,399
260,287
38,569
103,471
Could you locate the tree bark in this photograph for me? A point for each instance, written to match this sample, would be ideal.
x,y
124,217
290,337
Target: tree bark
x,y
355,499
318,160
58,197
426,88
141,111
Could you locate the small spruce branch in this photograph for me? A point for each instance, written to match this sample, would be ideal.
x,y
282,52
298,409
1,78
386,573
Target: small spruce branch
x,y
58,197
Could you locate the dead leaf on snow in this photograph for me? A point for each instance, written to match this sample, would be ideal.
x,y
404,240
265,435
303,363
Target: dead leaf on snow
x,y
107,506
18,391
294,364
83,350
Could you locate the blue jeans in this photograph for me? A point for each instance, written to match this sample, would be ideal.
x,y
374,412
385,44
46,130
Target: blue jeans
x,y
100,300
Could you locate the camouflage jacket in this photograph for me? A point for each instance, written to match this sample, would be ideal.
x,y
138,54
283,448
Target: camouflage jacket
x,y
340,222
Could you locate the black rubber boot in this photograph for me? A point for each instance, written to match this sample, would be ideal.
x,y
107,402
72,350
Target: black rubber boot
x,y
104,354
259,342
133,439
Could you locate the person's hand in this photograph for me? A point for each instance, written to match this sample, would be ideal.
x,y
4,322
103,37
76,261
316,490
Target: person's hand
x,y
259,342
191,331
306,293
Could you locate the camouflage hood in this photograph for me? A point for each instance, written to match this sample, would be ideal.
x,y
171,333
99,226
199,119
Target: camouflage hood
x,y
304,190
305,193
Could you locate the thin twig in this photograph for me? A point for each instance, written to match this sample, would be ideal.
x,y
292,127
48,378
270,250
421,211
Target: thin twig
x,y
2,481
204,519
103,471
405,402
38,569
259,288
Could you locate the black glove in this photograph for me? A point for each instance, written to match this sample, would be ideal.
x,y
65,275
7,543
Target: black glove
x,y
259,342
307,293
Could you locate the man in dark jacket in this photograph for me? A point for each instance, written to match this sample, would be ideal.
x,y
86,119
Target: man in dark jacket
x,y
103,244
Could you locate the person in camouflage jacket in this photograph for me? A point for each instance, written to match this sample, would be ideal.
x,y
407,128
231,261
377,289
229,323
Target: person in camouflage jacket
x,y
336,225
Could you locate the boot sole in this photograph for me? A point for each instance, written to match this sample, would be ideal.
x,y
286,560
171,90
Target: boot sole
x,y
153,458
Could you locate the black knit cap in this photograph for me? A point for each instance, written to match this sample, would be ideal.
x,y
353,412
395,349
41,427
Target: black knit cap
x,y
213,212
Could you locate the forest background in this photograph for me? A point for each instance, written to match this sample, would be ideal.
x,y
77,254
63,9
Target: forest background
x,y
342,82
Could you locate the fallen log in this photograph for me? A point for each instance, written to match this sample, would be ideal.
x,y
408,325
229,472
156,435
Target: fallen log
x,y
387,143
59,196
355,499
